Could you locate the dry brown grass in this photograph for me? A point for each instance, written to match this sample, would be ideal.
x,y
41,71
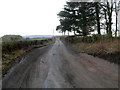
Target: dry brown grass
x,y
104,46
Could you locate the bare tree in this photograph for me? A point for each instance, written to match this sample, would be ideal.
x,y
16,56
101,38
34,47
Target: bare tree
x,y
117,8
108,11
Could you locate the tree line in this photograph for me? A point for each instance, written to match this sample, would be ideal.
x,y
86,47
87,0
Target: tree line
x,y
83,18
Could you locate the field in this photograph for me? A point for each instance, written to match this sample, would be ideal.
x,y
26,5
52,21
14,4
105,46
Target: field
x,y
37,38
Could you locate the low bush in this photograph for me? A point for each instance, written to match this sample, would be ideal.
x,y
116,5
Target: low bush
x,y
72,39
12,38
13,50
8,47
88,39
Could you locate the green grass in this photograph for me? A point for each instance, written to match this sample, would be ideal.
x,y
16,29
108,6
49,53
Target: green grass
x,y
9,58
57,38
37,38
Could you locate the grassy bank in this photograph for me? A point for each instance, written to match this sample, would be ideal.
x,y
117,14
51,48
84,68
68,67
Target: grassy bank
x,y
108,49
13,50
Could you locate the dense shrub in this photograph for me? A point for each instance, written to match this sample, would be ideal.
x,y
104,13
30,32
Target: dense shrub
x,y
12,38
72,39
93,38
87,39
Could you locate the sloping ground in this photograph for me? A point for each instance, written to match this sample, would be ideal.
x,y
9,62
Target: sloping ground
x,y
12,51
111,57
106,48
58,67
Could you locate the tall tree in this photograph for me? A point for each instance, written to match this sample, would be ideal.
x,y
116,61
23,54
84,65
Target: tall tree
x,y
65,21
72,8
80,17
108,9
117,8
86,16
97,9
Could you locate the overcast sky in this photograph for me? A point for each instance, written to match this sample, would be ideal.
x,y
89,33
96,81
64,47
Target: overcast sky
x,y
29,17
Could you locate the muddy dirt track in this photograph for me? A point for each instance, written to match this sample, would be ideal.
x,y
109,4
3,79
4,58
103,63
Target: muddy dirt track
x,y
56,66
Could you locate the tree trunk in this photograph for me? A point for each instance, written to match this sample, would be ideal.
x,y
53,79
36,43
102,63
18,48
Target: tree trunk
x,y
110,9
106,22
68,33
64,33
97,17
74,32
84,22
116,27
84,30
116,19
110,25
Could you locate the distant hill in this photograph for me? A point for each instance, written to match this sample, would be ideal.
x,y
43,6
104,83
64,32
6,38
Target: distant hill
x,y
38,36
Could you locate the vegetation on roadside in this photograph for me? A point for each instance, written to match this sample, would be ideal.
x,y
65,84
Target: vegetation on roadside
x,y
13,49
92,26
107,48
12,38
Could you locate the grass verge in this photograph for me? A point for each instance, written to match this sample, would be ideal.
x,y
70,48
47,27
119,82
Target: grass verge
x,y
108,49
9,58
